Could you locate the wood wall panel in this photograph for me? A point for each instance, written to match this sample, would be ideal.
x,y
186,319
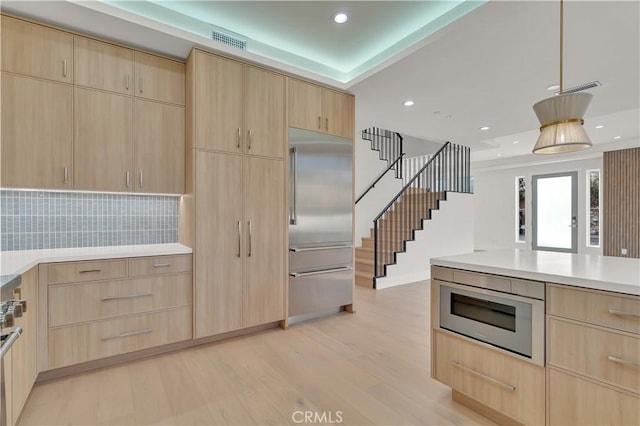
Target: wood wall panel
x,y
621,202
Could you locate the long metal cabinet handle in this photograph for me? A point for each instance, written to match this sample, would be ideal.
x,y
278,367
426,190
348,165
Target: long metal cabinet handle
x,y
623,313
126,83
161,265
239,236
324,271
86,271
326,123
129,296
13,336
141,180
249,141
298,249
484,376
293,172
319,122
128,176
622,361
66,174
249,248
141,80
131,333
64,68
238,138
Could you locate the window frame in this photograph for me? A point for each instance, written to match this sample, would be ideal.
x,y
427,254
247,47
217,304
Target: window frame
x,y
588,208
517,210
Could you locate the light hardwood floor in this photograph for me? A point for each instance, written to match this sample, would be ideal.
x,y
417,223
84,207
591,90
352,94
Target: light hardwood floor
x,y
372,366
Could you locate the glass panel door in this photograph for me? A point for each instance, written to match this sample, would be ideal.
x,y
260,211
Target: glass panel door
x,y
555,212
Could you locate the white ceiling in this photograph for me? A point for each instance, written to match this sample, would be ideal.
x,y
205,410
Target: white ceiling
x,y
486,68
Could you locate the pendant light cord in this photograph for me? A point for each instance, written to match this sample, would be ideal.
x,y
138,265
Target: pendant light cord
x,y
561,42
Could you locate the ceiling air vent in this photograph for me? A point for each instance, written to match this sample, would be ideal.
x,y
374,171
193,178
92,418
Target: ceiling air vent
x,y
227,37
581,87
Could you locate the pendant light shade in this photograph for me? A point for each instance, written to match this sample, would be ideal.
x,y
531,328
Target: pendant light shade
x,y
561,123
561,116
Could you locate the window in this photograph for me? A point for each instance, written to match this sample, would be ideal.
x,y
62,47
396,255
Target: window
x,y
593,208
520,209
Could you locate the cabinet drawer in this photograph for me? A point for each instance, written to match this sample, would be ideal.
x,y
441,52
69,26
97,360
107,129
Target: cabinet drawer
x,y
442,274
69,304
616,311
595,352
85,342
73,272
577,401
512,387
159,265
482,280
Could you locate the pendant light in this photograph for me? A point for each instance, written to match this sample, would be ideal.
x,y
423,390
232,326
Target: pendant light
x,y
561,122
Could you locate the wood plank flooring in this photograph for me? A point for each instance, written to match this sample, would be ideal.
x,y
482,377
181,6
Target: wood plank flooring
x,y
367,368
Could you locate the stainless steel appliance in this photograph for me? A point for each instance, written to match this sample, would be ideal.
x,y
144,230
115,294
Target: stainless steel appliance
x,y
505,320
320,222
9,308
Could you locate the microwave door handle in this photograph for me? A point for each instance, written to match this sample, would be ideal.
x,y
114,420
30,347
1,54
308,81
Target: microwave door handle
x,y
293,184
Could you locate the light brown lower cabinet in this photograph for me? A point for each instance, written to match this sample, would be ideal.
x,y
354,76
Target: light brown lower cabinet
x,y
20,365
574,400
514,388
240,242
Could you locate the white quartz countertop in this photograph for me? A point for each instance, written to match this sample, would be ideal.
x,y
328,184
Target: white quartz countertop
x,y
618,274
14,263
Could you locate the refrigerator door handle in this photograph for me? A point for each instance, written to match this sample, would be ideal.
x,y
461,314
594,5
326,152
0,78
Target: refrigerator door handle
x,y
324,271
300,249
293,171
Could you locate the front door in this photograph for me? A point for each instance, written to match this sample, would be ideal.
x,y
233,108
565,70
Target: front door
x,y
555,212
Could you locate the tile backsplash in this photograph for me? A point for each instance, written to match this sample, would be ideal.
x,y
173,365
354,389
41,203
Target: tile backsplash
x,y
40,220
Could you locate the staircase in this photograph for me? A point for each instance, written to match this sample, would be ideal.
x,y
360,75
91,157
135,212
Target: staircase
x,y
446,171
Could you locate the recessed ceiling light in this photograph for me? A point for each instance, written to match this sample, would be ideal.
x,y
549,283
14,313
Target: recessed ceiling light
x,y
599,126
617,137
515,142
499,155
340,18
484,128
408,103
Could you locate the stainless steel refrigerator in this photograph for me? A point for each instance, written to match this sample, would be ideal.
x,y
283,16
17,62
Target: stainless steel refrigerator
x,y
320,222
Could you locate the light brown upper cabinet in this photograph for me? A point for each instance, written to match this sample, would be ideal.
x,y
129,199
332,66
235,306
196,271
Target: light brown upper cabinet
x,y
238,108
159,147
37,133
36,50
319,109
240,244
102,65
159,79
103,141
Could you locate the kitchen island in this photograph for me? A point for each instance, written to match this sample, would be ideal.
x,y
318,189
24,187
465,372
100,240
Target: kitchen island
x,y
537,337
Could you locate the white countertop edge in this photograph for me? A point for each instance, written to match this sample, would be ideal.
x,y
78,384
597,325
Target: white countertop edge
x,y
19,262
540,276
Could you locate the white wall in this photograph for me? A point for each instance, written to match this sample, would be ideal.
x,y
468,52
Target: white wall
x,y
449,232
495,203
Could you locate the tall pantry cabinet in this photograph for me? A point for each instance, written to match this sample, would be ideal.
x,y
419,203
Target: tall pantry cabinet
x,y
234,212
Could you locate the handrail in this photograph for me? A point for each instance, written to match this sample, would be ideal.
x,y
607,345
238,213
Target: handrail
x,y
380,176
408,184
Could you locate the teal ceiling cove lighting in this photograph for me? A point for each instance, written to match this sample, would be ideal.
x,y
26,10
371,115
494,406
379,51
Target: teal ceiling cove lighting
x,y
337,40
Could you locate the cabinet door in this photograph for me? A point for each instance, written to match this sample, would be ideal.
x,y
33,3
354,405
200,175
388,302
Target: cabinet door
x,y
36,50
305,105
24,363
7,362
219,248
264,113
159,148
338,114
102,65
159,78
218,109
103,141
37,133
265,220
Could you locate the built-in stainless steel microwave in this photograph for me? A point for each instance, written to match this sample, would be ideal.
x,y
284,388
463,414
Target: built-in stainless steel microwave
x,y
507,321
